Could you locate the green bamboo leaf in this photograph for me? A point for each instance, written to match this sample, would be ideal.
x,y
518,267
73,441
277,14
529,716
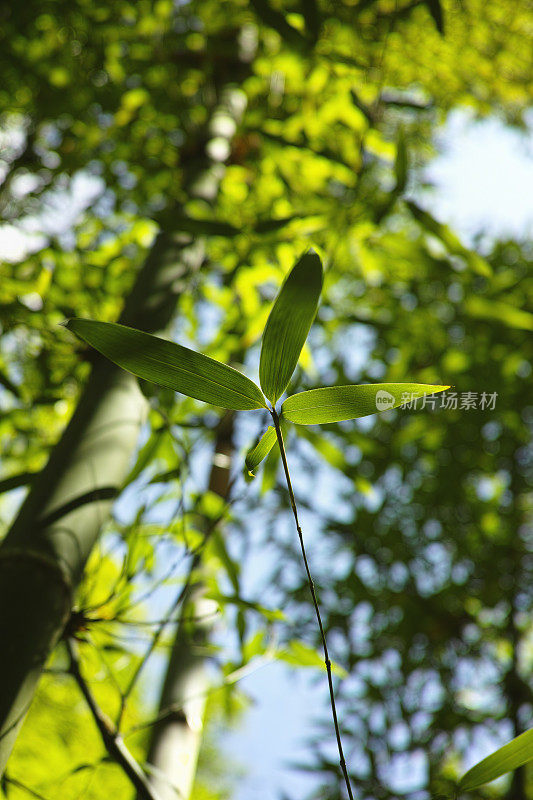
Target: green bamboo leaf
x,y
256,454
270,470
337,403
509,757
171,365
288,324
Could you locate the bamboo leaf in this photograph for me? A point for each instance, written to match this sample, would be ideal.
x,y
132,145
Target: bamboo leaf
x,y
288,324
509,757
337,403
256,454
270,470
171,365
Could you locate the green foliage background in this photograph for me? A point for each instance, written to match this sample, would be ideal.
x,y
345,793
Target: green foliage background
x,y
315,121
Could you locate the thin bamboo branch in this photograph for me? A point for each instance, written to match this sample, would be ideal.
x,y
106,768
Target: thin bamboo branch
x,y
113,742
311,584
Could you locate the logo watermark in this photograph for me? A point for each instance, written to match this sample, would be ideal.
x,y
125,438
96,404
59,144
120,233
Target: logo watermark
x,y
451,401
384,400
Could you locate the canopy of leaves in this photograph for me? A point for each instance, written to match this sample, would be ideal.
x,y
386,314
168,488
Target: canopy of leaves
x,y
247,132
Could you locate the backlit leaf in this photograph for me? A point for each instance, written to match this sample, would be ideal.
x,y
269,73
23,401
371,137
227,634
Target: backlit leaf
x,y
337,403
171,365
288,324
260,451
509,757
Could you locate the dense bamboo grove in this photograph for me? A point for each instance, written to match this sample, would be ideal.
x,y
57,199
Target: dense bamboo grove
x,y
165,166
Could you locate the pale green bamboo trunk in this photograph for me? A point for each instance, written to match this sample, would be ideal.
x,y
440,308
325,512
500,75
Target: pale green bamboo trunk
x,y
44,553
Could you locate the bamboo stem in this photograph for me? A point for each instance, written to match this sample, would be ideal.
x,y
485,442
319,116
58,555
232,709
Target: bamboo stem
x,y
113,742
311,584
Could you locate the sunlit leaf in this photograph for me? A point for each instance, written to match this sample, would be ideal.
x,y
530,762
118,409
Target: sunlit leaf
x,y
171,365
337,403
260,451
508,758
289,323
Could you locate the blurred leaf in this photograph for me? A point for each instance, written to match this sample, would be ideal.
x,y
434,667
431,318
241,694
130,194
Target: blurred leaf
x,y
301,655
508,758
289,322
260,451
272,615
275,19
171,365
205,227
337,403
449,240
312,19
484,308
145,455
273,225
230,565
435,9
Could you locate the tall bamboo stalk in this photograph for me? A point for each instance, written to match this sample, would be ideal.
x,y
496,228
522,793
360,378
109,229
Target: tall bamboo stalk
x,y
44,553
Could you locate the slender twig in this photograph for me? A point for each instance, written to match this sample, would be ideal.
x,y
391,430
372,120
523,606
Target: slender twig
x,y
315,603
111,738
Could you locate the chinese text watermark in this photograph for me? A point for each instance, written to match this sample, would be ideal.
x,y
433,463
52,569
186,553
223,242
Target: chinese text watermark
x,y
451,401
